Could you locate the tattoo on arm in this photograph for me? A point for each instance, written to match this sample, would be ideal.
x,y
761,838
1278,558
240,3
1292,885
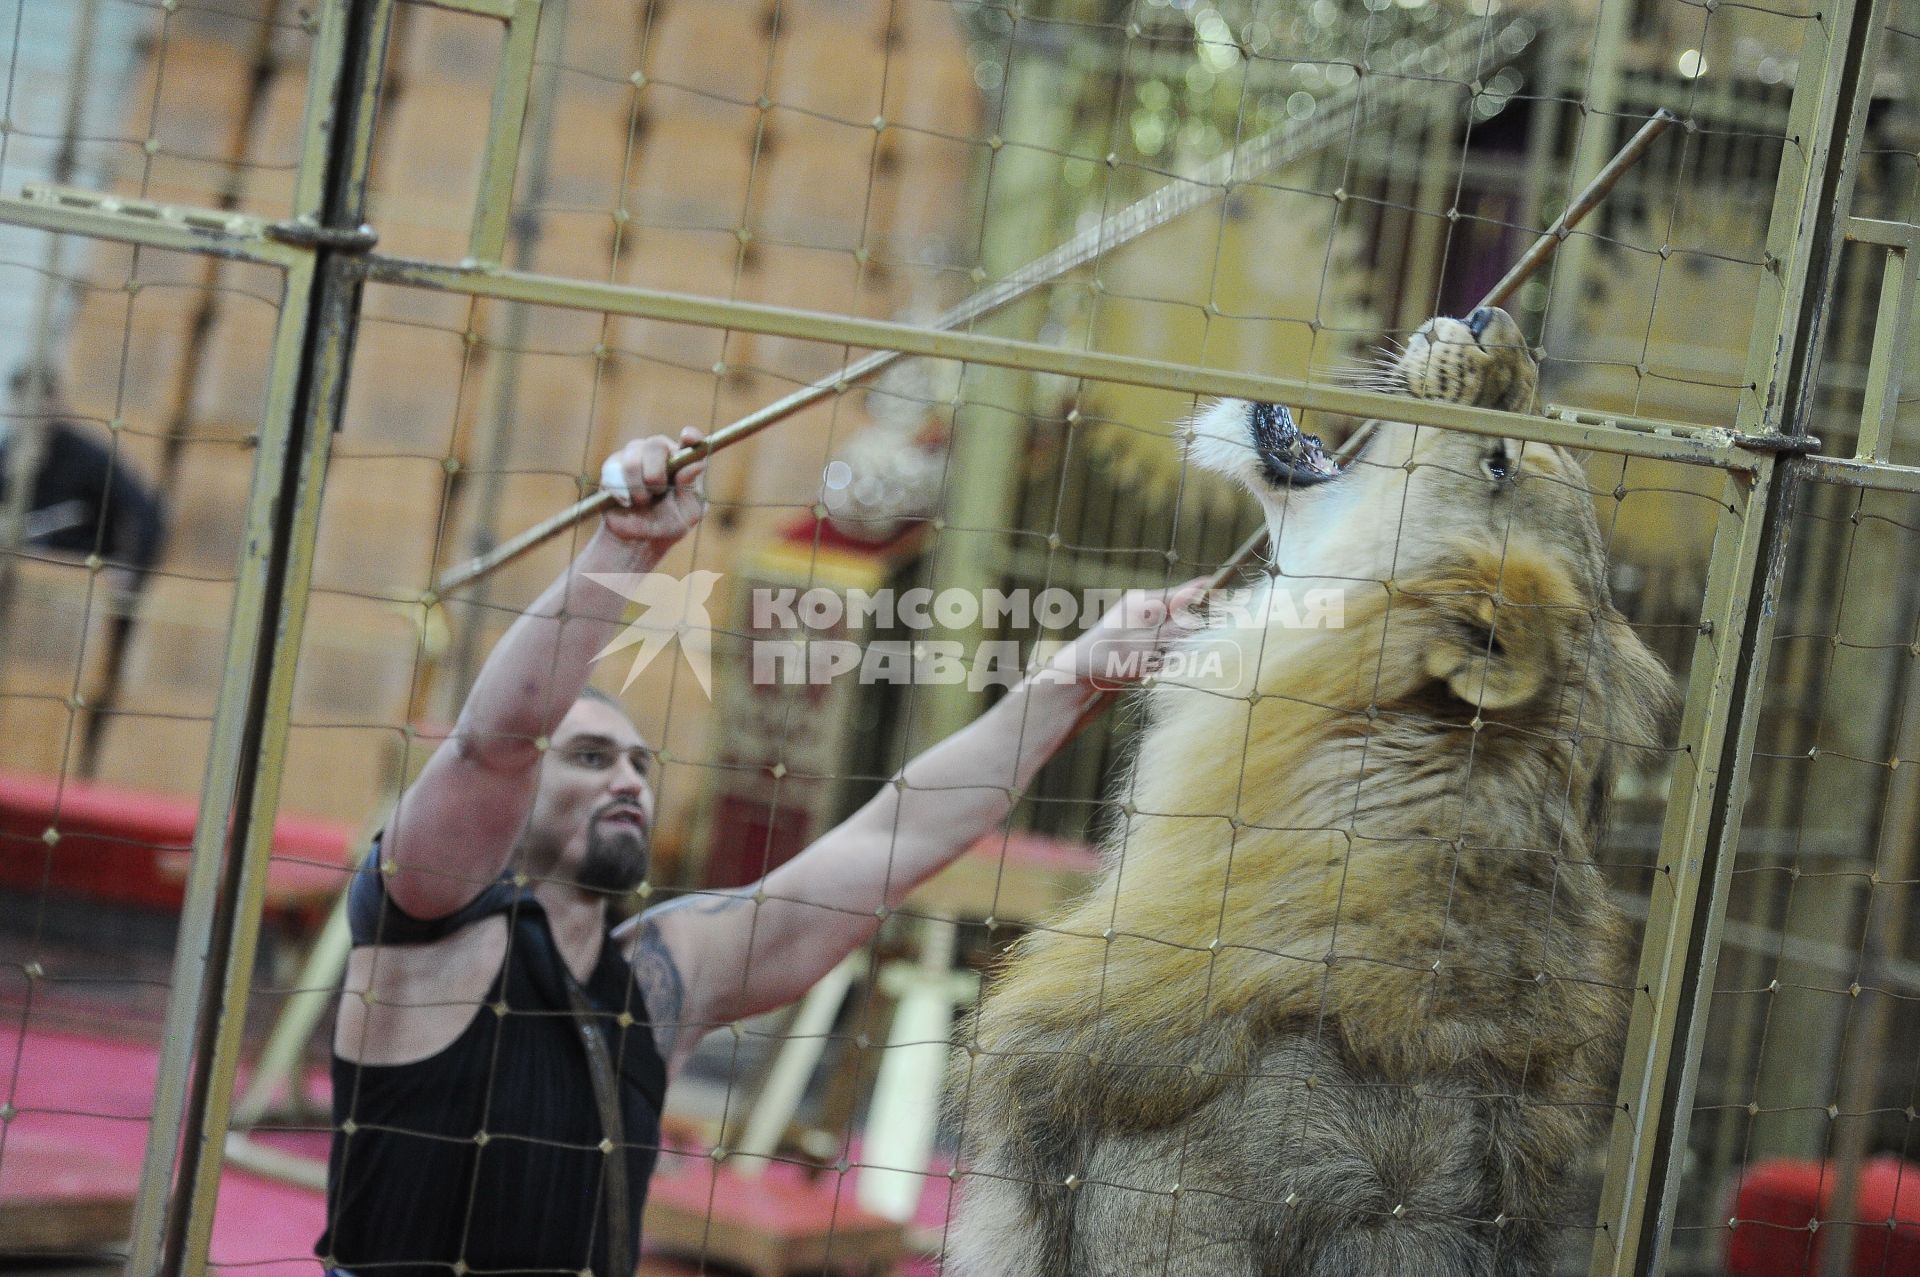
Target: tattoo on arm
x,y
660,986
661,983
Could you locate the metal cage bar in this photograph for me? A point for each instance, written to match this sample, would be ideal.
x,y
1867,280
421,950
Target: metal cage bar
x,y
1680,952
171,1143
200,230
172,227
506,121
1654,438
227,878
1899,281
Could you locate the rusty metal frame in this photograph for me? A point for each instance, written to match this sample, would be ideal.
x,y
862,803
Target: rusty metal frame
x,y
233,837
325,255
1680,954
1622,434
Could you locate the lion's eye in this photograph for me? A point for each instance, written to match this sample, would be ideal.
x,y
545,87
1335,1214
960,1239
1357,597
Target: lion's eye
x,y
1496,465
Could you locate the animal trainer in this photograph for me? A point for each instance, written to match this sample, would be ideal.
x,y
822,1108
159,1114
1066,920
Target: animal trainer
x,y
502,1051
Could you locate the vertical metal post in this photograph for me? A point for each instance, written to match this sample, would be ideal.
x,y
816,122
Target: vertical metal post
x,y
199,916
1861,1087
506,120
1427,237
1599,122
1900,283
1680,954
487,450
1858,1089
233,840
983,465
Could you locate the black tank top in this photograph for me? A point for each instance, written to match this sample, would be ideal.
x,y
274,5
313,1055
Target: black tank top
x,y
488,1153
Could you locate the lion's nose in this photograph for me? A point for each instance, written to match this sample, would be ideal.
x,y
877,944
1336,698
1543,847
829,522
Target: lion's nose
x,y
1477,322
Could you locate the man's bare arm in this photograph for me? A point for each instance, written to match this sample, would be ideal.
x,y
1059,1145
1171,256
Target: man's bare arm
x,y
738,954
457,824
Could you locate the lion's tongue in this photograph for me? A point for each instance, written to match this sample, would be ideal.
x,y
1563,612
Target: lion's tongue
x,y
1287,447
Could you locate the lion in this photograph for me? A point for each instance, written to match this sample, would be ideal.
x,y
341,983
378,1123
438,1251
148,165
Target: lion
x,y
1348,994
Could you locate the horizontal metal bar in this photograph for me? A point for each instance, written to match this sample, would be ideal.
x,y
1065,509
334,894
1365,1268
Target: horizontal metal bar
x,y
484,8
1854,473
302,233
1873,230
1622,435
176,227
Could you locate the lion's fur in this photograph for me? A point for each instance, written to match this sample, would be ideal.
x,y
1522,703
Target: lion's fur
x,y
1349,980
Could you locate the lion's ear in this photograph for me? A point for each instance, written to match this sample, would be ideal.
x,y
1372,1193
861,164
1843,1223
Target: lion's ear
x,y
1499,627
1489,662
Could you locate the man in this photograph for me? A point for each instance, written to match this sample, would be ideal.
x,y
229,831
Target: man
x,y
468,1118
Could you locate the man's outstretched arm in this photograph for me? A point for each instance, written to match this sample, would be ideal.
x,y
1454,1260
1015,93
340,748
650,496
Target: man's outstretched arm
x,y
733,955
457,824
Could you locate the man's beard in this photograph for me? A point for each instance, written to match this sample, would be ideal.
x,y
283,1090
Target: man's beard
x,y
616,859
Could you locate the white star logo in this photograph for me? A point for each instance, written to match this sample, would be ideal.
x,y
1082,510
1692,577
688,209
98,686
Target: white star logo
x,y
669,606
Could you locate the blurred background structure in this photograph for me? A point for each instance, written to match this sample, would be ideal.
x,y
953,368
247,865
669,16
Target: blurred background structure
x,y
221,655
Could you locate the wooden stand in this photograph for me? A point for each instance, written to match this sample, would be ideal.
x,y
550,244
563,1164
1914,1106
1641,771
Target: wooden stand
x,y
61,1200
769,1227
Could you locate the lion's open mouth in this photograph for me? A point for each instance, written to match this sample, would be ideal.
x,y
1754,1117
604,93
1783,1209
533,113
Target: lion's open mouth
x,y
1291,458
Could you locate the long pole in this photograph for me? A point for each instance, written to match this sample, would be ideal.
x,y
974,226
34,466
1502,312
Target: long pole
x,y
1211,182
1530,261
1130,223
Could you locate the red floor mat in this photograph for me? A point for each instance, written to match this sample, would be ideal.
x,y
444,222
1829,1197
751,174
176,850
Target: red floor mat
x,y
97,1093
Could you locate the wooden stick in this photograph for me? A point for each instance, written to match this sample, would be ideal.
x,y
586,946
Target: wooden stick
x,y
1530,261
1131,222
1585,202
1251,158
